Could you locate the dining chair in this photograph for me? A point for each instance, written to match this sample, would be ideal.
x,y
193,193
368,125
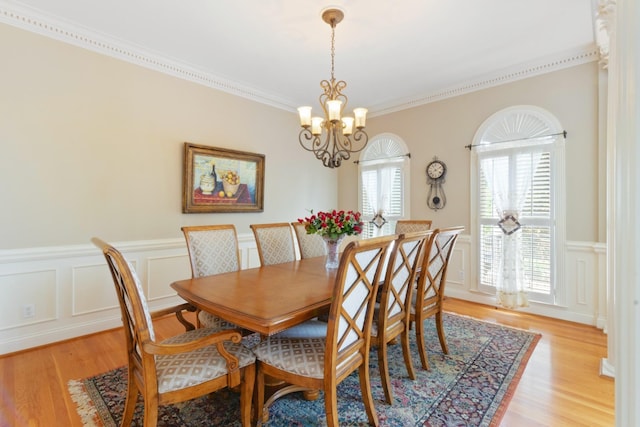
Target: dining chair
x,y
412,225
391,317
213,249
322,362
275,242
429,297
185,366
309,245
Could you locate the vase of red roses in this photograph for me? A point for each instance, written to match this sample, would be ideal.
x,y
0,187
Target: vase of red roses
x,y
333,226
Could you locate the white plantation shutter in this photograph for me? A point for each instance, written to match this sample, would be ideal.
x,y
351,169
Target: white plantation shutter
x,y
535,216
518,161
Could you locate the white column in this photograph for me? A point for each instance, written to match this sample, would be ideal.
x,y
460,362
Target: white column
x,y
627,212
605,25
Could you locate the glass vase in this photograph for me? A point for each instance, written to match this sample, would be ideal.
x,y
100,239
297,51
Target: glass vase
x,y
332,244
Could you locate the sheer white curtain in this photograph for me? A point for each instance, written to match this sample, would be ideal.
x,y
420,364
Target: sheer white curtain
x,y
508,175
378,186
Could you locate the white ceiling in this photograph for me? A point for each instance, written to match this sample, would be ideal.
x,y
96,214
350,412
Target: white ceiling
x,y
392,54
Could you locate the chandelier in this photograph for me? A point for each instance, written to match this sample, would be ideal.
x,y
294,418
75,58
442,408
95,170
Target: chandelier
x,y
333,138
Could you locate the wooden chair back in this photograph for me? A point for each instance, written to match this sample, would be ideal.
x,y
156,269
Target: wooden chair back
x,y
351,312
309,245
138,327
392,317
275,242
431,285
412,225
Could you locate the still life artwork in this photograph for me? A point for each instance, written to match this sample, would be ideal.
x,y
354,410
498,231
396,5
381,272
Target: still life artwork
x,y
221,180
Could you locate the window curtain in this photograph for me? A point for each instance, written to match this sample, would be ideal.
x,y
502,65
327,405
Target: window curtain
x,y
509,178
377,185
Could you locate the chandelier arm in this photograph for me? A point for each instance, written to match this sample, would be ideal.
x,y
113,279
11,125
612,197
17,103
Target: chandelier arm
x,y
317,146
313,141
360,137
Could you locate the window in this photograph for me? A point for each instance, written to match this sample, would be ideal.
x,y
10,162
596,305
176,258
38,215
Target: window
x,y
519,179
384,182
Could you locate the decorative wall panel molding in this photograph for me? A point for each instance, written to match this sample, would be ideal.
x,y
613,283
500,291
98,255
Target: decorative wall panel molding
x,y
73,293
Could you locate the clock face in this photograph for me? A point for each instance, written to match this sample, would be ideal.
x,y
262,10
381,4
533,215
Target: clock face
x,y
436,169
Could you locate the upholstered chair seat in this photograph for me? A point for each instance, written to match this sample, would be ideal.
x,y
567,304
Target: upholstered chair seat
x,y
176,371
285,353
310,328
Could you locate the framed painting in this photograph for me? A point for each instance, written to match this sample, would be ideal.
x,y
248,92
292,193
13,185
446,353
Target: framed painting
x,y
221,180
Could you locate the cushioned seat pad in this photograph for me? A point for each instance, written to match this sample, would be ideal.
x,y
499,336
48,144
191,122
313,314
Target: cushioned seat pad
x,y
188,369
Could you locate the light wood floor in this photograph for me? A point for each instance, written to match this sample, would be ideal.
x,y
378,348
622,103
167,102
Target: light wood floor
x,y
560,386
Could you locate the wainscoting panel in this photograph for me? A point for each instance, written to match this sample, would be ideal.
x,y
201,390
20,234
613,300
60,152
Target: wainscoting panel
x,y
583,285
164,270
28,298
72,292
92,289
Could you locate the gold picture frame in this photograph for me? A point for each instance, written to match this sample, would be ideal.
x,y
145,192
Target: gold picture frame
x,y
222,180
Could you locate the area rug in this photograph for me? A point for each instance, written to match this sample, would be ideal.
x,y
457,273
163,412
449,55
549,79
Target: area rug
x,y
471,386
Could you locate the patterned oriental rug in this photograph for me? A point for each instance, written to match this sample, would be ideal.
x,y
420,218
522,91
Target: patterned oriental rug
x,y
471,386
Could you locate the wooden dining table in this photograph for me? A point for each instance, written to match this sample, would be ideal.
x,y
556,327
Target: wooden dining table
x,y
266,299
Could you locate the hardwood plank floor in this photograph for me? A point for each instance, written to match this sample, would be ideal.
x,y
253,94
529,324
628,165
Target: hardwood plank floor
x,y
559,387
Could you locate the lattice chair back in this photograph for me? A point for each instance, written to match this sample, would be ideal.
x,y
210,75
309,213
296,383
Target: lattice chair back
x,y
412,225
435,264
275,243
322,361
213,249
391,318
310,245
431,285
351,313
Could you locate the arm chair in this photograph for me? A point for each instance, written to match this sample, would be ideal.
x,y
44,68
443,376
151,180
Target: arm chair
x,y
391,317
275,243
310,245
182,367
331,358
412,225
213,249
428,299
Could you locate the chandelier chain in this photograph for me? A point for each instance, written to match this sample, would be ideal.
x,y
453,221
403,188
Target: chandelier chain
x,y
333,47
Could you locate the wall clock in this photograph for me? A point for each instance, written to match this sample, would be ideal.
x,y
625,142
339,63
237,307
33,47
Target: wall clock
x,y
436,172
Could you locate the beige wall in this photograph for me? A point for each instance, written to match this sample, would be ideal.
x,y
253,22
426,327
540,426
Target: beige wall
x,y
443,129
90,145
93,145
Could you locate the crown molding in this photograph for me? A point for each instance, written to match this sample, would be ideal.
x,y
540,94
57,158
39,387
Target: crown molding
x,y
545,65
35,21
